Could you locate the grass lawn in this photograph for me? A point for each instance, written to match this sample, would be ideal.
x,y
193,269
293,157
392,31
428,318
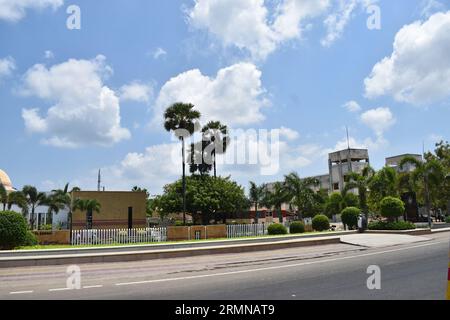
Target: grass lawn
x,y
56,246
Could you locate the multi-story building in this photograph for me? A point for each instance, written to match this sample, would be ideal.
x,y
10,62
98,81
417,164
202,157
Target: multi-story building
x,y
394,162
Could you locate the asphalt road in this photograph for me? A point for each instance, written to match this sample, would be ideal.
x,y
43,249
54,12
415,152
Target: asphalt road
x,y
338,271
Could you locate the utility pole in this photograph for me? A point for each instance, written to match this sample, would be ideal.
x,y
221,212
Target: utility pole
x,y
99,180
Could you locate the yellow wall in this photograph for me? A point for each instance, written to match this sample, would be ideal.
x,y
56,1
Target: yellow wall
x,y
114,209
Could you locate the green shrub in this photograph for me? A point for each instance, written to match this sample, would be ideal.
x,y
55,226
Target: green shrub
x,y
349,217
297,227
391,207
46,227
276,228
320,223
447,219
13,230
390,225
30,240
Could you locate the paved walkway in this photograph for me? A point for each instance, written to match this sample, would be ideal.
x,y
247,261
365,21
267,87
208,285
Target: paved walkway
x,y
381,240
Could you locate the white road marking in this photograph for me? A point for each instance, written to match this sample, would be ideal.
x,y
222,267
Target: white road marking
x,y
91,287
276,267
21,292
60,289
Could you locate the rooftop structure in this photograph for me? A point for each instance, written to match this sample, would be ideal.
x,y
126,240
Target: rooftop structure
x,y
394,162
6,181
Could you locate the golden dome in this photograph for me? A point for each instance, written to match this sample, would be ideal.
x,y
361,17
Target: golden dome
x,y
5,181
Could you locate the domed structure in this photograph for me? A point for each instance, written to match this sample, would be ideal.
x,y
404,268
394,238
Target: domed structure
x,y
5,181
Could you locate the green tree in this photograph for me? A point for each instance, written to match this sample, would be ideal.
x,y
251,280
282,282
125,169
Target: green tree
x,y
256,196
54,203
392,208
361,182
349,217
215,134
87,205
275,197
3,196
17,198
301,194
34,199
334,204
207,197
427,178
180,118
384,183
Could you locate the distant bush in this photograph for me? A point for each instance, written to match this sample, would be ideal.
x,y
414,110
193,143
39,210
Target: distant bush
x,y
297,227
320,223
447,219
30,240
13,230
349,217
391,225
276,228
391,207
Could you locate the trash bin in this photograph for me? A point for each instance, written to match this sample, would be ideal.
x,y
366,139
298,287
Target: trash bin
x,y
362,223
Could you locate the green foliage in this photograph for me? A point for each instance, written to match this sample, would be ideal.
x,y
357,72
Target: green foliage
x,y
206,195
276,228
333,205
391,225
320,223
350,200
349,217
46,227
297,227
447,219
13,230
391,207
30,240
306,200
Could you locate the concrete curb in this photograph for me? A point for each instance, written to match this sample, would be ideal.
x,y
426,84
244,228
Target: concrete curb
x,y
65,259
416,232
161,246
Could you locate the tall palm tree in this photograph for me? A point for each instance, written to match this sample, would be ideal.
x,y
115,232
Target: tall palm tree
x,y
34,199
54,202
276,197
17,198
87,205
300,192
197,163
256,195
429,175
65,196
361,181
181,118
217,134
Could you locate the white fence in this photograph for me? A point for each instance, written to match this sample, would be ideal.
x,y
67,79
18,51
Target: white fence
x,y
123,236
250,230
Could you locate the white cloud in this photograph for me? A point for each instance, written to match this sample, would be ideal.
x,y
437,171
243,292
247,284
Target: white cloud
x,y
7,66
159,52
48,54
288,133
85,111
246,25
235,95
418,71
338,19
136,91
379,120
429,7
352,106
14,10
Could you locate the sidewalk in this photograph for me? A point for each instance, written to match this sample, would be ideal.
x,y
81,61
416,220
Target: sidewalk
x,y
381,240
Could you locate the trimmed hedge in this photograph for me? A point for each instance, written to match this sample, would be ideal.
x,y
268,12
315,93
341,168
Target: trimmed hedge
x,y
276,228
297,227
13,230
349,217
391,207
320,223
389,225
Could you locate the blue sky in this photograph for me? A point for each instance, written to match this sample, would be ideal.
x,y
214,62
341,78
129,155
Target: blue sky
x,y
74,101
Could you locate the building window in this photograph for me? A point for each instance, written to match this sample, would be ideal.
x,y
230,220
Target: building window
x,y
336,186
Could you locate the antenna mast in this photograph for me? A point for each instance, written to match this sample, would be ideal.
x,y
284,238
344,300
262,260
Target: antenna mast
x,y
99,179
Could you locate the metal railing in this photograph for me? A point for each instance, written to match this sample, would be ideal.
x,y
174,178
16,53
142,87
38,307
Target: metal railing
x,y
118,236
250,230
